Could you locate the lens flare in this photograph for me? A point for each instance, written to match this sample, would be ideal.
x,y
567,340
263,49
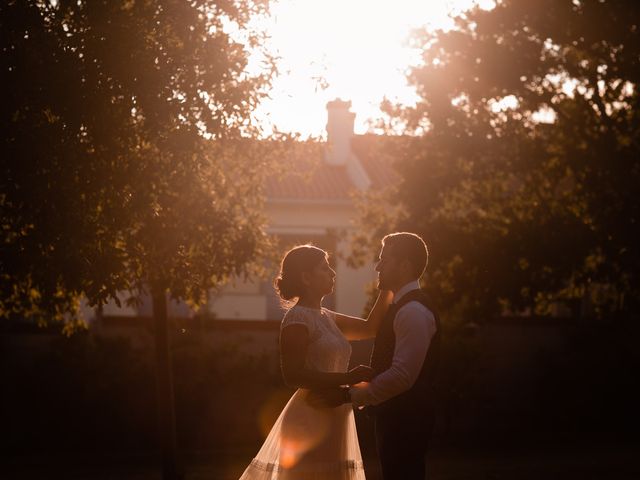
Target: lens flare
x,y
303,429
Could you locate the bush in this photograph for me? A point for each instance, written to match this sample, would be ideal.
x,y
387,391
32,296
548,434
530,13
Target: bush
x,y
92,393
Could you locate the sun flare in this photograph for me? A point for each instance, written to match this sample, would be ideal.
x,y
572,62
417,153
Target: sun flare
x,y
355,50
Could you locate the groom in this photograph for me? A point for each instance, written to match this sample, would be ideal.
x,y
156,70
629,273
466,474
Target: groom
x,y
404,358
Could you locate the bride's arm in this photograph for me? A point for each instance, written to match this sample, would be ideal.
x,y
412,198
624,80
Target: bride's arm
x,y
294,342
354,328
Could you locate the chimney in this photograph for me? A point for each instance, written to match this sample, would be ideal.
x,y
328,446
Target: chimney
x,y
339,132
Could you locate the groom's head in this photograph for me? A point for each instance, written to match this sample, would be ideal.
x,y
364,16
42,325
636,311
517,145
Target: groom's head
x,y
403,258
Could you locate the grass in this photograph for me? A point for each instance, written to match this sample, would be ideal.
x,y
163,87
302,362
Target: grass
x,y
545,462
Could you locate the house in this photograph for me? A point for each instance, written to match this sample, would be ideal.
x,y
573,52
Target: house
x,y
315,204
312,203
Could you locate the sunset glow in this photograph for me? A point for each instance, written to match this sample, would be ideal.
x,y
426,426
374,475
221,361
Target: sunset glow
x,y
355,50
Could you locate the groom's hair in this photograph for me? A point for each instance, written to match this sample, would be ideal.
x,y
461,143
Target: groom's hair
x,y
409,246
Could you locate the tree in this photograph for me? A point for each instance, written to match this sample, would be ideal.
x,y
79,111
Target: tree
x,y
520,159
125,162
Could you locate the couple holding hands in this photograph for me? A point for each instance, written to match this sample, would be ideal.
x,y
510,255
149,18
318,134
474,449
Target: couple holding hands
x,y
315,435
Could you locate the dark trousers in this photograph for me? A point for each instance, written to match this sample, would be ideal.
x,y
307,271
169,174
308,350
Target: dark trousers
x,y
401,441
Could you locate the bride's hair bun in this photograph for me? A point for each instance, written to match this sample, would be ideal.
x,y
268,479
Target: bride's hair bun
x,y
285,289
300,259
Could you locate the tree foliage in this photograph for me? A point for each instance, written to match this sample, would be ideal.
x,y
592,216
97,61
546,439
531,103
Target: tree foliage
x,y
123,150
520,162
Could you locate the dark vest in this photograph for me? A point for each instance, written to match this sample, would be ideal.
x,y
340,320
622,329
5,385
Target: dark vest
x,y
420,396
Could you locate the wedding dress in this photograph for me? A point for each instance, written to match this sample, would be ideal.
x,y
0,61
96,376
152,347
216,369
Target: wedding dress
x,y
310,443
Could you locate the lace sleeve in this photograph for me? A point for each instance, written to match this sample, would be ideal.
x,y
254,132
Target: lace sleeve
x,y
295,316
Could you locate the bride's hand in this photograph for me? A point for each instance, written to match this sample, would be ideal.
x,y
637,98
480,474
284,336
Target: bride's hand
x,y
361,373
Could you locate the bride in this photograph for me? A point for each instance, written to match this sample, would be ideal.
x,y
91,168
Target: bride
x,y
309,441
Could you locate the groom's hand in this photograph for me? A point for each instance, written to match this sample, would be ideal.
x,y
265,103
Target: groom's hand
x,y
360,395
328,397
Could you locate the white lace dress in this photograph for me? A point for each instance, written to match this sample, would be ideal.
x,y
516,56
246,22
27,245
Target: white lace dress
x,y
308,443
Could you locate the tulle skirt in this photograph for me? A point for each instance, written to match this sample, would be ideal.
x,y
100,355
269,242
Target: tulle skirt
x,y
308,443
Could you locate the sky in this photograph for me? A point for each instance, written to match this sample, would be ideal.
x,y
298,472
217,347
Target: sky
x,y
354,50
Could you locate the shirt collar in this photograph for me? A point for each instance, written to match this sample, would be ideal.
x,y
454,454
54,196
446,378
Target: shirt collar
x,y
413,285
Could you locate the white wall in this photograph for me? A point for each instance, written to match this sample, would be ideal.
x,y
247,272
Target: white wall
x,y
351,285
300,219
233,306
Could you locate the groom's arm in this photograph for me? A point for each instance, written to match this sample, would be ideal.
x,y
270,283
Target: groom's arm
x,y
414,327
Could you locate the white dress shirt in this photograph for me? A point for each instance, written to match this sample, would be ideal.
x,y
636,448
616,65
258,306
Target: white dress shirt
x,y
414,326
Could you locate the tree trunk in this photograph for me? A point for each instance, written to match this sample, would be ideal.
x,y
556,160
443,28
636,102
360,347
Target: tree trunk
x,y
164,380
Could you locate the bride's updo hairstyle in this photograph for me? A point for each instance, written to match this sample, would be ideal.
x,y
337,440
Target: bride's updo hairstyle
x,y
298,260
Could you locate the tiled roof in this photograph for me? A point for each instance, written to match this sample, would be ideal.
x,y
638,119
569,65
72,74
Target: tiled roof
x,y
377,159
317,182
313,179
